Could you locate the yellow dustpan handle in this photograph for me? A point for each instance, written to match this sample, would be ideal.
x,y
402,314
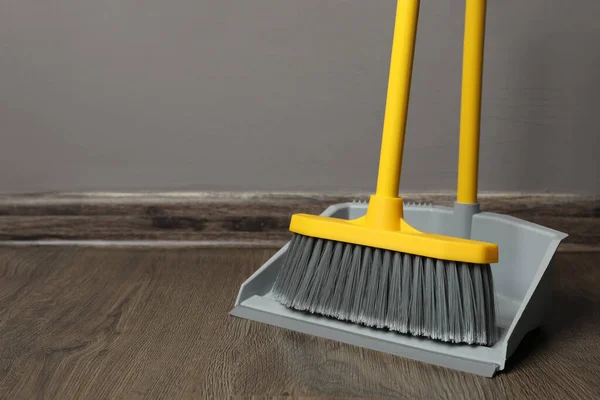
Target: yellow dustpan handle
x,y
394,125
470,120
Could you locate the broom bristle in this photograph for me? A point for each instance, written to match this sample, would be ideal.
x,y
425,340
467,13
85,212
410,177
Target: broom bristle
x,y
441,300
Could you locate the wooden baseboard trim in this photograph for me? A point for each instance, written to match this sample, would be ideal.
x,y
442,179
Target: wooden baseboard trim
x,y
241,219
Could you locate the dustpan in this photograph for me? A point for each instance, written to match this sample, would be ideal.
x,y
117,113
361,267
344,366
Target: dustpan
x,y
521,279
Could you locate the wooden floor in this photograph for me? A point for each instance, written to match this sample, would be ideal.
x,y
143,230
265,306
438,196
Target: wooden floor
x,y
130,323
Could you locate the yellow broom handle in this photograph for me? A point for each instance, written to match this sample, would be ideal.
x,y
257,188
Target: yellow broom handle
x,y
394,125
470,120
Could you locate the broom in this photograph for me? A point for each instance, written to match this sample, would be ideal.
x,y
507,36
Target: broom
x,y
379,271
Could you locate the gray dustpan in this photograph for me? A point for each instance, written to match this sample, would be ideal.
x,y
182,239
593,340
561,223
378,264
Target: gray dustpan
x,y
521,278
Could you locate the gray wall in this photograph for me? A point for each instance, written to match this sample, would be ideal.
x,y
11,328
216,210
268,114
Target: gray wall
x,y
287,95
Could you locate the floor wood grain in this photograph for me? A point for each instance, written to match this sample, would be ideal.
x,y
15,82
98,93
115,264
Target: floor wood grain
x,y
246,217
153,323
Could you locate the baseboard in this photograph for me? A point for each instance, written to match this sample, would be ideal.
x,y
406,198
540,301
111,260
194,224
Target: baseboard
x,y
246,219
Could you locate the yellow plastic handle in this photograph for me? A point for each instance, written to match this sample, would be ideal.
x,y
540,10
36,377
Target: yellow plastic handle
x,y
394,125
470,112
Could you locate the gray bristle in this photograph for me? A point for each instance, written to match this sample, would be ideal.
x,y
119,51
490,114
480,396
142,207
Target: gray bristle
x,y
405,291
429,297
416,310
437,299
480,318
320,277
361,286
454,303
334,305
301,299
380,312
351,285
283,278
468,300
394,297
490,304
441,303
367,310
298,272
328,285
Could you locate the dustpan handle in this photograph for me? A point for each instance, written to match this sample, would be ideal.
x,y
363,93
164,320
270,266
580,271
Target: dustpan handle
x,y
470,114
396,110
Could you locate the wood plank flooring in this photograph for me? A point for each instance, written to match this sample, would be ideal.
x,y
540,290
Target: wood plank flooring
x,y
133,323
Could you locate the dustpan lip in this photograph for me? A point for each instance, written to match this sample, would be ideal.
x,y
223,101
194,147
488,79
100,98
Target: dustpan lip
x,y
479,360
